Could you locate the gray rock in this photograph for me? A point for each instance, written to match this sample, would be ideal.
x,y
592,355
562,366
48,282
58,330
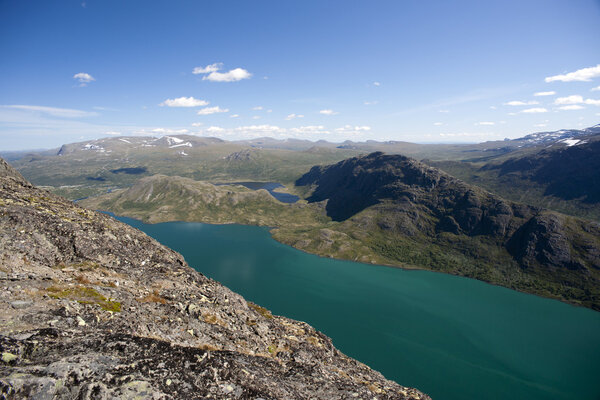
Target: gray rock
x,y
21,304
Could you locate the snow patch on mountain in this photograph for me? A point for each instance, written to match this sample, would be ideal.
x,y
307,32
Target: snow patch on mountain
x,y
173,140
91,146
186,144
572,142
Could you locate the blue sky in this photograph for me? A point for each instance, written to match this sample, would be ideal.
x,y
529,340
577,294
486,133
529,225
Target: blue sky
x,y
421,71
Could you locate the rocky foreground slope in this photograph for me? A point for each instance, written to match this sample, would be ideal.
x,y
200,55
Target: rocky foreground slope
x,y
94,309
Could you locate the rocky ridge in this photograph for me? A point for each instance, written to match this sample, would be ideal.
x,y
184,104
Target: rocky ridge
x,y
94,309
418,214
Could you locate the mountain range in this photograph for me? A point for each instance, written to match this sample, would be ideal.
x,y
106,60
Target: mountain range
x,y
506,212
547,169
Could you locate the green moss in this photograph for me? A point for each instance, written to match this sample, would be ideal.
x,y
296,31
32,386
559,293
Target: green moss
x,y
86,265
84,295
261,310
82,266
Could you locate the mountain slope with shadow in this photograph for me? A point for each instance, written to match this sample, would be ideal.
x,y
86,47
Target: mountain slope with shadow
x,y
561,174
415,215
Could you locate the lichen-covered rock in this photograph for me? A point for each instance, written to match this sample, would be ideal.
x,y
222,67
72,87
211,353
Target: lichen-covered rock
x,y
94,309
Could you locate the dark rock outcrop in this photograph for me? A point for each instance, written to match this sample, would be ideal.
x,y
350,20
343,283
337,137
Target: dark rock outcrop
x,y
242,155
94,309
358,183
543,239
408,200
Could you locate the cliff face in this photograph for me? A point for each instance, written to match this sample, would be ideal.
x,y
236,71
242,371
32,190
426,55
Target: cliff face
x,y
407,207
94,309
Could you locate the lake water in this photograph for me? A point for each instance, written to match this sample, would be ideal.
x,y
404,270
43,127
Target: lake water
x,y
451,337
270,187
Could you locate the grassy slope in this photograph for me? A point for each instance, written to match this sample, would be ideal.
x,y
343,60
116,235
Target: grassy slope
x,y
161,198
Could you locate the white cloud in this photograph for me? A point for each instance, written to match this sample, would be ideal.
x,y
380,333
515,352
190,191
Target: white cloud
x,y
438,124
233,75
184,102
370,103
159,132
328,112
83,78
215,129
213,75
54,111
540,125
262,129
114,133
352,130
464,134
310,130
534,110
255,117
444,111
488,123
257,108
571,107
551,93
376,83
104,108
269,111
521,103
168,131
197,124
596,89
581,75
234,116
208,69
575,99
293,116
493,107
212,110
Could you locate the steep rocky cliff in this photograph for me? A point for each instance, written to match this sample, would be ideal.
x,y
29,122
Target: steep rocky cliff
x,y
94,309
417,214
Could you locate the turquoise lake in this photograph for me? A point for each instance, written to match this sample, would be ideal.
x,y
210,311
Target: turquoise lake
x,y
451,337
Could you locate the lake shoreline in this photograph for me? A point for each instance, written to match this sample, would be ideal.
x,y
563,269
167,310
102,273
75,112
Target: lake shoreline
x,y
402,267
